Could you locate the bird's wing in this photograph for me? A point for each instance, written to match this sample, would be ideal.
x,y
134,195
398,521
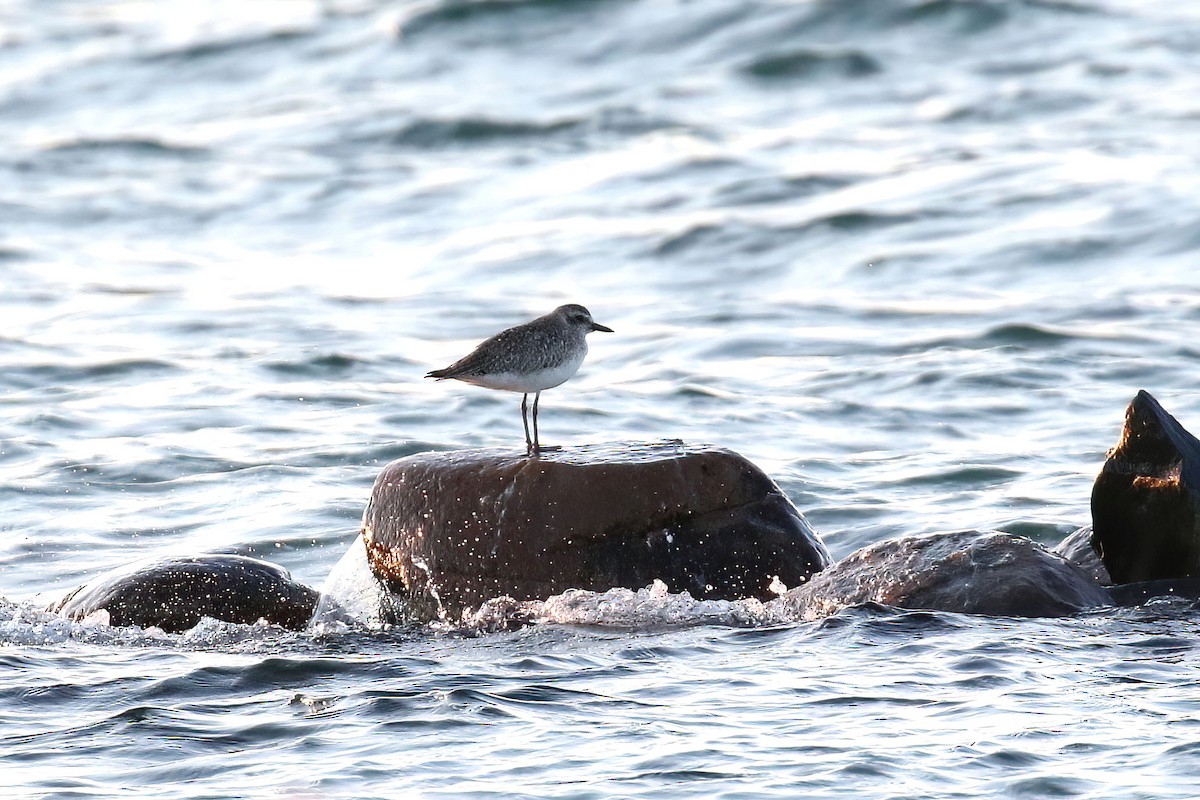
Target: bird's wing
x,y
525,347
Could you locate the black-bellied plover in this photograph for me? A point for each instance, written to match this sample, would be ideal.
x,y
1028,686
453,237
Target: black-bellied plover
x,y
533,357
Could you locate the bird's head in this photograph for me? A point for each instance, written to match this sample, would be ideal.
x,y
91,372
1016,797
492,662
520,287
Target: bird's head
x,y
577,315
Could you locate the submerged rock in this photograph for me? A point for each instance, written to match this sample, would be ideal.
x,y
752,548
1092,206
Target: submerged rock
x,y
175,593
969,572
1146,499
1079,550
1142,592
452,530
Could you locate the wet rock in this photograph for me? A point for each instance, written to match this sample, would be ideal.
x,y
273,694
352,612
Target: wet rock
x,y
969,572
1146,499
452,530
1142,592
175,593
1079,550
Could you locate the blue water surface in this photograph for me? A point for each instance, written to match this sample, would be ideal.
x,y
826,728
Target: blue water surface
x,y
911,257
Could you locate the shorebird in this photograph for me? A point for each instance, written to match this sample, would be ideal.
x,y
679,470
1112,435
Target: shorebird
x,y
529,358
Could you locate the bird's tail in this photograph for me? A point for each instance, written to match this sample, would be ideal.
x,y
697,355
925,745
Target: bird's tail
x,y
440,374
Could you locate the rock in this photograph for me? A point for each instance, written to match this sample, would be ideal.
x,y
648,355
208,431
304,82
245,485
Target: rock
x,y
1146,499
969,572
1137,594
174,593
1079,550
452,530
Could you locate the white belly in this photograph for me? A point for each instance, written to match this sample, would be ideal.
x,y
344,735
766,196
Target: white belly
x,y
526,382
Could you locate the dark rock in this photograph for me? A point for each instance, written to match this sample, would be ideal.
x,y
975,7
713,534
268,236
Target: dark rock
x,y
452,530
1079,550
174,593
1146,499
969,572
1136,594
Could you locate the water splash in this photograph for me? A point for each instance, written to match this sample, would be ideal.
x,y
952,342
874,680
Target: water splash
x,y
353,597
648,608
30,625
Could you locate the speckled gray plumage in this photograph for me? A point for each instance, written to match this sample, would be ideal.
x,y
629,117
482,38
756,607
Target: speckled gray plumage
x,y
539,344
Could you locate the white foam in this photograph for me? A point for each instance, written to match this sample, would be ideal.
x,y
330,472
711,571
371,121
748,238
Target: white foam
x,y
31,625
651,607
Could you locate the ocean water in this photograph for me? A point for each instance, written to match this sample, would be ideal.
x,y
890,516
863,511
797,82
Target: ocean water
x,y
912,257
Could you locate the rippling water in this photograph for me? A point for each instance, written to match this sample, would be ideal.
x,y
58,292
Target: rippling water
x,y
911,257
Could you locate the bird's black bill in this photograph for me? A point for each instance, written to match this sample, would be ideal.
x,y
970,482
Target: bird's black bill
x,y
596,326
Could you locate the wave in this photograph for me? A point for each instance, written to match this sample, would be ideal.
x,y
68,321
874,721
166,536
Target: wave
x,y
962,16
194,51
36,375
476,130
424,17
1024,335
10,253
774,189
809,64
845,18
323,366
1020,333
743,235
126,145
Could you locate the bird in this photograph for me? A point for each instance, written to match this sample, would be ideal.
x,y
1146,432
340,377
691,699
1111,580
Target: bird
x,y
529,358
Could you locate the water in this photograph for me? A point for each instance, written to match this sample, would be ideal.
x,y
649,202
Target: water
x,y
912,258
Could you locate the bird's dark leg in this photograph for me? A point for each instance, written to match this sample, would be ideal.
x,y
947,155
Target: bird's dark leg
x,y
537,446
529,446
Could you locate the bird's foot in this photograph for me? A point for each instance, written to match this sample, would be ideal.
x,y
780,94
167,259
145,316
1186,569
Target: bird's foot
x,y
538,449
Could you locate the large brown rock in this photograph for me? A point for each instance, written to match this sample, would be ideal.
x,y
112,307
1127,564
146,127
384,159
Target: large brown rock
x,y
451,530
1146,499
969,572
176,593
